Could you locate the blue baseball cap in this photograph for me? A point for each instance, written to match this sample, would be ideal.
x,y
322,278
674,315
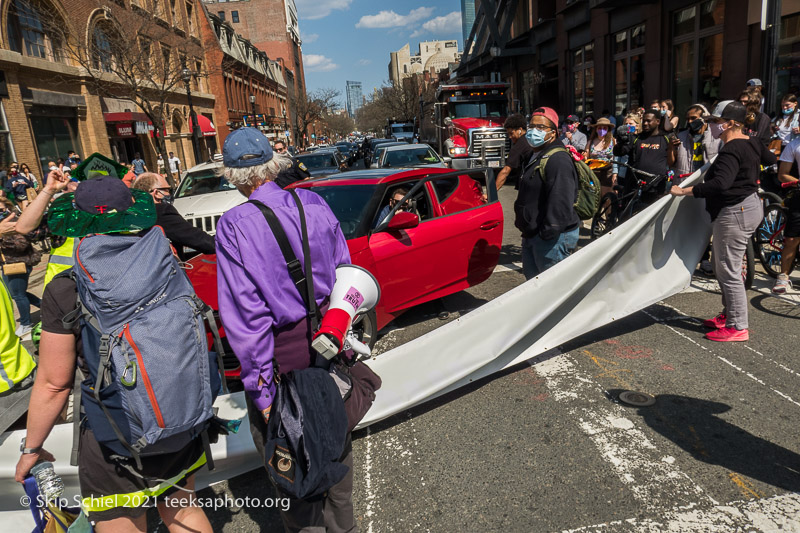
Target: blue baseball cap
x,y
246,147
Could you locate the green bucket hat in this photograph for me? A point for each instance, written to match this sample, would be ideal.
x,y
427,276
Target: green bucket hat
x,y
101,205
97,165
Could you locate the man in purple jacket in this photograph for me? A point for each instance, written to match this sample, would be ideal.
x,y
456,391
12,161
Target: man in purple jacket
x,y
262,311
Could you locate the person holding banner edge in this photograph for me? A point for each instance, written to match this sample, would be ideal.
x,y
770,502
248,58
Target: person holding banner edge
x,y
731,193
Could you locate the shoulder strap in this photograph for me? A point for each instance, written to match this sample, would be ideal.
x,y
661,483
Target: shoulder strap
x,y
546,155
304,282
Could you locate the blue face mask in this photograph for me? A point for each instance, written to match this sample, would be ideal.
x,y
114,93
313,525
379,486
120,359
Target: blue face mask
x,y
663,112
536,137
788,111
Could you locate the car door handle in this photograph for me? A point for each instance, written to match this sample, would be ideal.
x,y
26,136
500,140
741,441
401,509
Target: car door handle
x,y
490,225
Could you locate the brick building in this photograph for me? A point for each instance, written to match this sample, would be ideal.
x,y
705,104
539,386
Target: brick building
x,y
271,25
49,104
248,83
587,56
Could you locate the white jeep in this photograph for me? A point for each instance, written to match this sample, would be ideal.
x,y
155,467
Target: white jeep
x,y
204,195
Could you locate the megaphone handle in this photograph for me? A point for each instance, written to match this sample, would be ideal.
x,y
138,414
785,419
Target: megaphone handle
x,y
356,345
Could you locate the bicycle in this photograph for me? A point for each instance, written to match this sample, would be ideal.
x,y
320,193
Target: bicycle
x,y
768,238
617,206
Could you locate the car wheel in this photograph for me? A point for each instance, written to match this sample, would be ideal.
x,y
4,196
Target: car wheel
x,y
366,328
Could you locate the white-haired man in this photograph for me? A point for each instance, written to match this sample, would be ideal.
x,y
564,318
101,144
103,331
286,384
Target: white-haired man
x,y
265,318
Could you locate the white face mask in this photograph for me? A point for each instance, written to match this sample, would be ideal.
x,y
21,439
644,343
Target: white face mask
x,y
716,129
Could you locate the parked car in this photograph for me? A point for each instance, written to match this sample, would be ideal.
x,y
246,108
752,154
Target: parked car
x,y
449,239
413,155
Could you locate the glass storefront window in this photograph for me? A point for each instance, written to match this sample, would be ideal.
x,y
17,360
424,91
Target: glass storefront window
x,y
54,137
683,74
788,67
628,70
697,54
710,67
683,21
712,13
7,154
583,80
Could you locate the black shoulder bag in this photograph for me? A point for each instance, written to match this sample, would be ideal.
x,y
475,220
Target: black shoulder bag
x,y
356,381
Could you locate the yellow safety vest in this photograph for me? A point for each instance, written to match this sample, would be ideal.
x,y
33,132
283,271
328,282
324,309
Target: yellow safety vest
x,y
15,362
61,259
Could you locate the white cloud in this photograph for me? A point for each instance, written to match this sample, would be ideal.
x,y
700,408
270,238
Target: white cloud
x,y
318,63
317,9
364,62
450,23
390,19
308,39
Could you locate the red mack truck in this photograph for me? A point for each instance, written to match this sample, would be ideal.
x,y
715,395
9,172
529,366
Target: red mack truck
x,y
466,124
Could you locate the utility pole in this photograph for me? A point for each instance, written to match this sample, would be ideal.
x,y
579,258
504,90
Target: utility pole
x,y
771,24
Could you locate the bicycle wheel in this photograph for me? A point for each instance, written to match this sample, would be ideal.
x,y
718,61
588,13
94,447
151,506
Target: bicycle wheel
x,y
768,239
606,217
748,265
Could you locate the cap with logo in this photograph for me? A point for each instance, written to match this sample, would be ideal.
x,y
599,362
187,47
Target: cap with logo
x,y
548,113
754,82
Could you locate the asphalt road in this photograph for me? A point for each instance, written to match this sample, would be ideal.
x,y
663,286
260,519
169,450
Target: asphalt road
x,y
546,446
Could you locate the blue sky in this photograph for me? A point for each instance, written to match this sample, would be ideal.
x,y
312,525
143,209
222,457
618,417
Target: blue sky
x,y
351,39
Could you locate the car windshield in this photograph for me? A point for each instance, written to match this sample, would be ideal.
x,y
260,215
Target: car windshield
x,y
405,128
342,148
318,160
409,158
478,109
349,203
203,182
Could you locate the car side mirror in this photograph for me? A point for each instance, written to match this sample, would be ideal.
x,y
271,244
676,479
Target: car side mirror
x,y
447,159
403,220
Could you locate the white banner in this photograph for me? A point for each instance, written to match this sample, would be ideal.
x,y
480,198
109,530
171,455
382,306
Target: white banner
x,y
648,258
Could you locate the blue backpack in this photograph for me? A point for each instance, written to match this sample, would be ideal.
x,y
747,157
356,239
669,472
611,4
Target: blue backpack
x,y
152,379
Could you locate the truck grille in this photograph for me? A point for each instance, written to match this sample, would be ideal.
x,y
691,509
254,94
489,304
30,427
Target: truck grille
x,y
478,137
207,224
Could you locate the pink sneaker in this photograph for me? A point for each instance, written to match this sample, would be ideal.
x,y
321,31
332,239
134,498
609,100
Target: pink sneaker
x,y
728,335
716,322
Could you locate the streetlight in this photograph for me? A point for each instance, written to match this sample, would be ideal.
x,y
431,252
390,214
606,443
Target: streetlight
x,y
186,75
285,127
253,106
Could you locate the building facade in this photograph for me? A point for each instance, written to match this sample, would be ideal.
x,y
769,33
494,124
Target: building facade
x,y
432,57
467,17
248,82
272,26
591,56
49,104
355,98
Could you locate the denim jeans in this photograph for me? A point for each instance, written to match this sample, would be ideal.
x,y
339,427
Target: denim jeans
x,y
18,288
538,254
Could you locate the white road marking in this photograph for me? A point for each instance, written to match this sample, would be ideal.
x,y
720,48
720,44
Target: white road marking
x,y
779,513
651,476
724,360
509,267
368,480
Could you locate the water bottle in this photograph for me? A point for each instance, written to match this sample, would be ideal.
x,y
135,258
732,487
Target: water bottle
x,y
51,487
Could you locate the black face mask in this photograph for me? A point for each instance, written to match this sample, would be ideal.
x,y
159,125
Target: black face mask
x,y
167,199
696,125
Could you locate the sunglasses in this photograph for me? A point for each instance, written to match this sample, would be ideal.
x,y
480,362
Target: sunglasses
x,y
165,190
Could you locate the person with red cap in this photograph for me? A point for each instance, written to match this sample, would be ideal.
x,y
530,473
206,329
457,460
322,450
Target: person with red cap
x,y
544,208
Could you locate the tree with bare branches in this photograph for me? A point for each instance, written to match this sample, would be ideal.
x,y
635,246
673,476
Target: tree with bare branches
x,y
311,108
392,102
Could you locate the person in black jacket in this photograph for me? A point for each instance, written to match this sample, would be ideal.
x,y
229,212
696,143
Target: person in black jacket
x,y
178,230
544,208
296,172
731,193
757,124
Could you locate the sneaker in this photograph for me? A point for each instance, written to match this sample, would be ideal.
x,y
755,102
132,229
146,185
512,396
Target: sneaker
x,y
717,322
728,335
24,331
706,268
782,284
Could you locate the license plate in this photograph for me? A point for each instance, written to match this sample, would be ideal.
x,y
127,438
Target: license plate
x,y
494,164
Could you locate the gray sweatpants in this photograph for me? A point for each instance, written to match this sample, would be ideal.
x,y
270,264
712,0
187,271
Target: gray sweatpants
x,y
731,229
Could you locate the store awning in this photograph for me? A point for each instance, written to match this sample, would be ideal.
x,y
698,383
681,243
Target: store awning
x,y
125,116
206,126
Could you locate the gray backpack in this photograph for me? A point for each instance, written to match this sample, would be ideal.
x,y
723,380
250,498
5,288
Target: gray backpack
x,y
152,379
